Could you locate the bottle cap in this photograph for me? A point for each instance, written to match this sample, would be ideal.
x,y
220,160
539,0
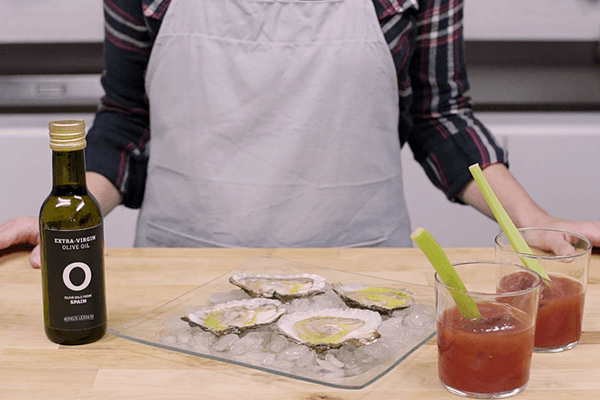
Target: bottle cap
x,y
67,135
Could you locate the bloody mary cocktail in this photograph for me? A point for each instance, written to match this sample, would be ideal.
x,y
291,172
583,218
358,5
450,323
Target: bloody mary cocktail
x,y
490,355
487,356
560,314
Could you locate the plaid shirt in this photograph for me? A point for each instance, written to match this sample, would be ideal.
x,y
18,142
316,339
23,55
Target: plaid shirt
x,y
426,41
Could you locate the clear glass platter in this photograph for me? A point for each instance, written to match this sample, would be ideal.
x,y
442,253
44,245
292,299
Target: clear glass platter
x,y
263,348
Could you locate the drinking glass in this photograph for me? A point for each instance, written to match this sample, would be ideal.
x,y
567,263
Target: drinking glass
x,y
560,314
487,357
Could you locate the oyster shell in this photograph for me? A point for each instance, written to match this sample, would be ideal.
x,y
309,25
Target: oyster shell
x,y
236,316
282,287
331,327
377,298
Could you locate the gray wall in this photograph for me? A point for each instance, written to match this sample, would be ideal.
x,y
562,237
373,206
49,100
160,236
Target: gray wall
x,y
81,20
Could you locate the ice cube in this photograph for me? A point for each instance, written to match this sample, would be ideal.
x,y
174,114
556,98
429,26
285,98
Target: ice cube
x,y
225,342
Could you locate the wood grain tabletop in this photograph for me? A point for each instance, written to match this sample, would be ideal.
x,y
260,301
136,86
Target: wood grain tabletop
x,y
140,280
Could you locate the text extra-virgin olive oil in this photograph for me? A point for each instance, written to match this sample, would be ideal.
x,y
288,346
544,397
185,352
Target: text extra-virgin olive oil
x,y
72,244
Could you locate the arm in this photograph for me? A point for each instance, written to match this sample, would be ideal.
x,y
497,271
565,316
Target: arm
x,y
25,230
522,209
104,191
117,141
446,138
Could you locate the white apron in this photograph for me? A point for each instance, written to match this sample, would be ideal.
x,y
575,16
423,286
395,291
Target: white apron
x,y
273,124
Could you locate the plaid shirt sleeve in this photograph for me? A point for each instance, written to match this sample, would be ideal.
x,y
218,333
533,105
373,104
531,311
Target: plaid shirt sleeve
x,y
117,142
426,40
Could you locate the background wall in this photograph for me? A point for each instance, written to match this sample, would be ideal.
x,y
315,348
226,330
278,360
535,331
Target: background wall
x,y
532,19
43,21
81,20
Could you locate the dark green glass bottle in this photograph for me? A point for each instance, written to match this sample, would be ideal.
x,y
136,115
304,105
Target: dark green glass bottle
x,y
72,244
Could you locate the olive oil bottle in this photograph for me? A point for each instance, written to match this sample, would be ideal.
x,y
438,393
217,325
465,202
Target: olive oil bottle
x,y
72,243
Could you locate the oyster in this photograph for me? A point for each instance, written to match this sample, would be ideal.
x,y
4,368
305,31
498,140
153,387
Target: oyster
x,y
377,298
236,316
282,287
331,327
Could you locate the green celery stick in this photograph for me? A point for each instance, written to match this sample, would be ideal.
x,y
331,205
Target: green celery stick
x,y
436,255
508,226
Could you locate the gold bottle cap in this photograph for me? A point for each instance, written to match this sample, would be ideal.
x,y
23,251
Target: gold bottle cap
x,y
67,135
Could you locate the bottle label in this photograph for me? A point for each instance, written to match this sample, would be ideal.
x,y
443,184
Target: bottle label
x,y
75,278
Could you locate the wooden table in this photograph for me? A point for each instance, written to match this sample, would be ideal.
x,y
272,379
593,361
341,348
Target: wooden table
x,y
139,280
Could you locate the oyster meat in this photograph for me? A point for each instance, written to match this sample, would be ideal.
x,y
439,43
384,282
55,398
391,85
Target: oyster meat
x,y
330,328
282,287
236,316
377,298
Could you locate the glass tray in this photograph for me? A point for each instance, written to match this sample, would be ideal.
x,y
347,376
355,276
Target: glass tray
x,y
349,367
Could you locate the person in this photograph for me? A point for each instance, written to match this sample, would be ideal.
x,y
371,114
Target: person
x,y
279,123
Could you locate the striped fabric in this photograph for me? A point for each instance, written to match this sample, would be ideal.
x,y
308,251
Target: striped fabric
x,y
426,42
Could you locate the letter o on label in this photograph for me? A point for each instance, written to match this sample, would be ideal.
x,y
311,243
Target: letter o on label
x,y
67,276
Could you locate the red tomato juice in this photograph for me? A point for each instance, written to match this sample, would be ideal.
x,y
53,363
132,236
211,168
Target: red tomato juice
x,y
560,312
487,355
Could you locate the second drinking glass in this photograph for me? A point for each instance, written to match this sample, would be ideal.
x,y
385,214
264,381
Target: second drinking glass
x,y
560,314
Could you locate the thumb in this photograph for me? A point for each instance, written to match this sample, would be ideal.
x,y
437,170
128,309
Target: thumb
x,y
556,244
563,248
35,258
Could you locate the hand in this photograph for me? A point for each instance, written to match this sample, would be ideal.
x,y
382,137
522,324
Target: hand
x,y
590,230
25,230
22,230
